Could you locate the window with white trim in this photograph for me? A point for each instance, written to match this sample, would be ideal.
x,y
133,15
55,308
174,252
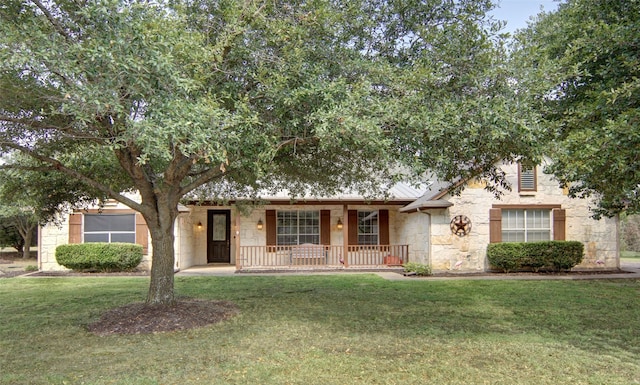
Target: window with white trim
x,y
368,227
526,225
109,228
297,227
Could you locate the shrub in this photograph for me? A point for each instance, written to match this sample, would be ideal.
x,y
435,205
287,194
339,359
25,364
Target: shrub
x,y
548,255
505,256
101,257
417,268
31,268
565,255
536,255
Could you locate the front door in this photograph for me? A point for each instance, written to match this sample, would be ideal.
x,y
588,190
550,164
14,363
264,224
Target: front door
x,y
218,236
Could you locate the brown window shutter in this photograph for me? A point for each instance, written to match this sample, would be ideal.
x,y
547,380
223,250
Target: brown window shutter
x,y
559,221
495,225
270,219
325,227
353,226
383,227
75,228
142,233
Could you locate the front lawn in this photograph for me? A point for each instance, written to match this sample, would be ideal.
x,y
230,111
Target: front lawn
x,y
630,255
355,329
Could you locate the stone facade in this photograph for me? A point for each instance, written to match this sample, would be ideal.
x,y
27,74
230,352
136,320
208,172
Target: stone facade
x,y
468,253
426,231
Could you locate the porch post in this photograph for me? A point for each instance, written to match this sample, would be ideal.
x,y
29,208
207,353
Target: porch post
x,y
236,237
345,235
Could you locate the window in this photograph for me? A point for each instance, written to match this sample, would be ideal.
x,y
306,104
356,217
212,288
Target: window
x,y
526,225
297,227
110,228
527,179
367,227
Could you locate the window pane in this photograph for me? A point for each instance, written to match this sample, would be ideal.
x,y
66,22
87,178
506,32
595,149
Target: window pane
x,y
297,227
530,225
110,228
96,237
109,222
219,227
367,227
538,235
513,236
125,237
513,219
538,219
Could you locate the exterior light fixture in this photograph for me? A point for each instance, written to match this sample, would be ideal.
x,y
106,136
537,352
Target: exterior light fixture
x,y
260,225
199,225
339,224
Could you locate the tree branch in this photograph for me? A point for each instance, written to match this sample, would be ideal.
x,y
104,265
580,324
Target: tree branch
x,y
206,176
26,168
58,166
56,25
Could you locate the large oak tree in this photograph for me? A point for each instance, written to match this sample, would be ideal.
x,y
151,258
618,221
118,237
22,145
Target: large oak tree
x,y
225,98
581,67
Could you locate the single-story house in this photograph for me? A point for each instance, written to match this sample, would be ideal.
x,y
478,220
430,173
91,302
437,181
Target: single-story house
x,y
428,226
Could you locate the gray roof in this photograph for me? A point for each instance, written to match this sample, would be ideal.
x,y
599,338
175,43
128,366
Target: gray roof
x,y
400,192
432,199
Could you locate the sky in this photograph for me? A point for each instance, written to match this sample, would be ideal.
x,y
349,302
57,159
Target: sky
x,y
518,12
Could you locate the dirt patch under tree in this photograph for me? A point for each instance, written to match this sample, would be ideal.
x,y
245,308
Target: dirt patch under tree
x,y
139,318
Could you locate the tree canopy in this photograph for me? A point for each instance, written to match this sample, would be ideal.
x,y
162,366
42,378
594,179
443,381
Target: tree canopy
x,y
581,66
179,97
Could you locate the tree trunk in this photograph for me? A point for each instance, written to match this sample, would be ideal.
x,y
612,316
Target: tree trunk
x,y
26,249
162,262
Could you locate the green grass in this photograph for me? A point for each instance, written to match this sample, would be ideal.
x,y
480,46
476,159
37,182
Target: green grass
x,y
630,254
330,330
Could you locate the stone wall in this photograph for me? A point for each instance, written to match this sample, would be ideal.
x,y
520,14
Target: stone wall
x,y
53,235
450,252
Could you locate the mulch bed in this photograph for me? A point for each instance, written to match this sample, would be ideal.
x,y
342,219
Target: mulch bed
x,y
140,273
529,273
11,274
139,318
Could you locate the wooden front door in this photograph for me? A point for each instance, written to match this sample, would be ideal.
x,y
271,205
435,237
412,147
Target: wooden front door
x,y
218,236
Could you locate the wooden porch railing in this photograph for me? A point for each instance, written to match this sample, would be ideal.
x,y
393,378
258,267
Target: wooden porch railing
x,y
322,256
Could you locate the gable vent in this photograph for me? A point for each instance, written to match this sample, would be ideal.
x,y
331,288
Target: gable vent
x,y
528,179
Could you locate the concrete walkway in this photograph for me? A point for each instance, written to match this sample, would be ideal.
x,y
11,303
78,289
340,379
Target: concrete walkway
x,y
629,270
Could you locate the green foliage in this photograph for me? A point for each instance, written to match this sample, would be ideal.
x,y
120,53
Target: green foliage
x,y
217,100
546,255
505,256
630,233
418,268
101,257
580,67
9,234
31,268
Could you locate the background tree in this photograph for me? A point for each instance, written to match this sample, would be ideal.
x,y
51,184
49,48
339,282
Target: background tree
x,y
581,66
630,233
9,235
224,98
32,196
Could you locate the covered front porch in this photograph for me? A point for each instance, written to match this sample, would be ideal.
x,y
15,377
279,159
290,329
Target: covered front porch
x,y
301,236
